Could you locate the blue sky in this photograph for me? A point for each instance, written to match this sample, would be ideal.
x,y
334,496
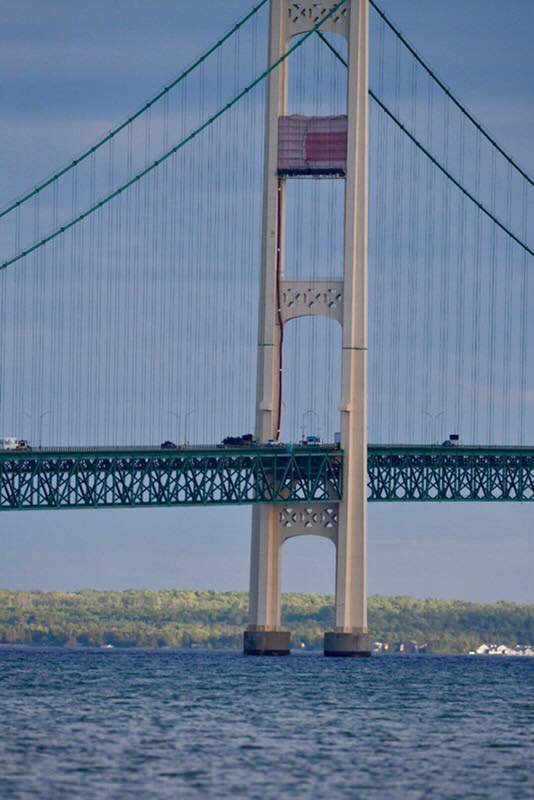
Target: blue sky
x,y
69,72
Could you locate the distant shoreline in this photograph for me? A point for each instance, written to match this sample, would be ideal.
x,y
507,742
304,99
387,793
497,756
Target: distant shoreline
x,y
216,620
316,651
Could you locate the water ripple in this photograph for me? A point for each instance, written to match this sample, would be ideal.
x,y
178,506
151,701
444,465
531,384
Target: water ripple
x,y
172,724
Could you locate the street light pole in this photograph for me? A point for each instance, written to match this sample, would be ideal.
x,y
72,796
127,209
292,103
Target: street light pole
x,y
434,418
309,411
40,430
41,417
178,417
188,414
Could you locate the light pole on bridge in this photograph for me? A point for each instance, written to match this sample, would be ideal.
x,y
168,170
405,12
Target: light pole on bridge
x,y
303,426
186,416
40,418
434,418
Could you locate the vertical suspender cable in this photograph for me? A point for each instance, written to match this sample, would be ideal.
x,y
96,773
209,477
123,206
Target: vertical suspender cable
x,y
460,351
411,339
428,364
444,304
492,317
475,324
396,276
508,299
523,325
380,281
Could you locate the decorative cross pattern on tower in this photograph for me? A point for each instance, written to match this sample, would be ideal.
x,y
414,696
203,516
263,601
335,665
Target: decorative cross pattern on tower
x,y
306,14
311,298
321,520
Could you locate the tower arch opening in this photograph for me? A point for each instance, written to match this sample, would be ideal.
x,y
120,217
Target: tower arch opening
x,y
308,583
312,379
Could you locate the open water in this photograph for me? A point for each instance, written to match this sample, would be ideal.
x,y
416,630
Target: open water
x,y
173,724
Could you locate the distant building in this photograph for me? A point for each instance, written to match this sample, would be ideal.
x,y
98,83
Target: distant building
x,y
503,650
409,647
380,647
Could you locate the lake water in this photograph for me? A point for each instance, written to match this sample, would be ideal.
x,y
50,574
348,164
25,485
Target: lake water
x,y
174,724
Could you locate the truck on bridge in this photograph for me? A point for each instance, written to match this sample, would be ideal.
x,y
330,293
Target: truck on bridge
x,y
12,443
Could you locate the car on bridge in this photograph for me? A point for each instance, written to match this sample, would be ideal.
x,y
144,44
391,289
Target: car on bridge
x,y
246,440
452,441
310,441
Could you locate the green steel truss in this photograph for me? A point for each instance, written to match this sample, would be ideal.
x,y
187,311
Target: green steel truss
x,y
413,473
132,478
104,478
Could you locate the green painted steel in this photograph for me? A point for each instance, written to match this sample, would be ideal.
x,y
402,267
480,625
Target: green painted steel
x,y
150,167
146,477
115,131
133,477
432,158
420,474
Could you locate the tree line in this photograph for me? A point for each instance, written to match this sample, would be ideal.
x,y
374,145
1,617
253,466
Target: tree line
x,y
180,618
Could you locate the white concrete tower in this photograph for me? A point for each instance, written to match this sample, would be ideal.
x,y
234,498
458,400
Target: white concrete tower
x,y
345,523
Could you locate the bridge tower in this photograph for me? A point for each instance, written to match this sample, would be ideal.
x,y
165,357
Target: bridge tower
x,y
281,299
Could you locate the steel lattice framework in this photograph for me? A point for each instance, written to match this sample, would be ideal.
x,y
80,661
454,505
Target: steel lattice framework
x,y
408,473
104,478
108,478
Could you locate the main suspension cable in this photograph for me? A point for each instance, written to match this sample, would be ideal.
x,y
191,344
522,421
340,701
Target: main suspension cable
x,y
109,136
450,95
105,200
434,160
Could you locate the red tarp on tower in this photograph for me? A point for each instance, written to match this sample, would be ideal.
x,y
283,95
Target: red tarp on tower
x,y
312,145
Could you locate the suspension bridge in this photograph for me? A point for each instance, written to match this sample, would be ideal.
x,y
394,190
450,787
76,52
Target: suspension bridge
x,y
384,230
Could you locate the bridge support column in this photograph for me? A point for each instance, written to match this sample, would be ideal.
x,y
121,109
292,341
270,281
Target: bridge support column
x,y
281,300
271,527
264,636
351,637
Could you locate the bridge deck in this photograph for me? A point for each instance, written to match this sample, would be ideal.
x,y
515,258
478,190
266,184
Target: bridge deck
x,y
132,477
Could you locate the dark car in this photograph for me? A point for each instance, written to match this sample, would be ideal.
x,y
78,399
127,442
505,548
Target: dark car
x,y
167,445
232,441
246,440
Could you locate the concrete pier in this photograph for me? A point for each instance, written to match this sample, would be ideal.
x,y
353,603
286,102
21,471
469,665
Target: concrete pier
x,y
266,643
347,645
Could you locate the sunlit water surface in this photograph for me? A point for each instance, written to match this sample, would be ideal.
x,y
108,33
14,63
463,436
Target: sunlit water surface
x,y
172,724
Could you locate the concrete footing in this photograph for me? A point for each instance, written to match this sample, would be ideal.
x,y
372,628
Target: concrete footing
x,y
348,645
266,643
